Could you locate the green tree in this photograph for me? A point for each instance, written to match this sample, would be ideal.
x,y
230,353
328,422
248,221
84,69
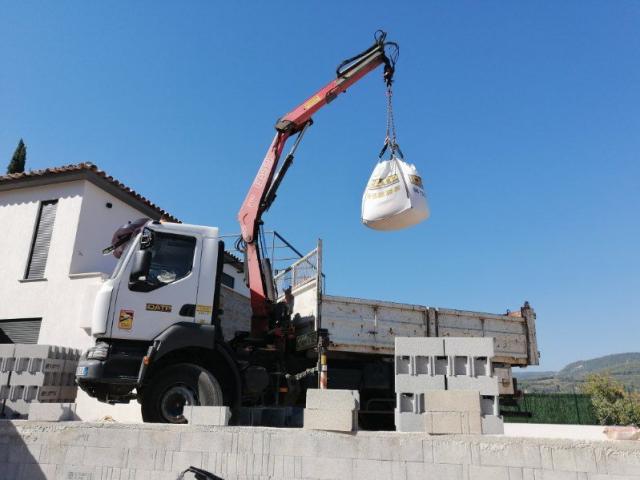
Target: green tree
x,y
16,165
613,405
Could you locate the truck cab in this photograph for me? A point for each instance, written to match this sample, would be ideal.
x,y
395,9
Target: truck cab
x,y
159,312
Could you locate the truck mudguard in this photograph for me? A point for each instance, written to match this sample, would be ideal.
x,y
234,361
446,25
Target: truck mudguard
x,y
185,335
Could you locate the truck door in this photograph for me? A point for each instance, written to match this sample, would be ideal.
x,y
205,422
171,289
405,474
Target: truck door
x,y
165,294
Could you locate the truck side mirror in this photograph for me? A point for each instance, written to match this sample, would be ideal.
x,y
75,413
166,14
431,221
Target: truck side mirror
x,y
141,265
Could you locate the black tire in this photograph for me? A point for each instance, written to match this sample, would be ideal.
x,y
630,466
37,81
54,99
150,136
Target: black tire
x,y
173,387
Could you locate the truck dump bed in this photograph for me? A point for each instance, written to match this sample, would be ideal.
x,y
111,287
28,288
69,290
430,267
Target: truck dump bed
x,y
370,326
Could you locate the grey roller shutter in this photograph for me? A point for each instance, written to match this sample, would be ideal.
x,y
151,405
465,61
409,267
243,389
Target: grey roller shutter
x,y
41,240
24,330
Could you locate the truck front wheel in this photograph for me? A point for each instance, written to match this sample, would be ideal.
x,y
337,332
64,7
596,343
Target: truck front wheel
x,y
170,389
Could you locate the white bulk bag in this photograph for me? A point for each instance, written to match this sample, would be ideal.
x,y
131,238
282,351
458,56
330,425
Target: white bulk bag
x,y
394,197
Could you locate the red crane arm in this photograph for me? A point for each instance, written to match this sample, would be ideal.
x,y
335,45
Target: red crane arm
x,y
264,186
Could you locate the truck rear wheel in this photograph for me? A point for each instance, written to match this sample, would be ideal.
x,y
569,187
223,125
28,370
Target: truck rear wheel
x,y
164,399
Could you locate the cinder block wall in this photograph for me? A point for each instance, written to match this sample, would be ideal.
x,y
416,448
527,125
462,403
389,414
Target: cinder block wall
x,y
34,451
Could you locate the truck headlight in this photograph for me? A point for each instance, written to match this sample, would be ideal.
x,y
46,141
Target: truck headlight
x,y
98,352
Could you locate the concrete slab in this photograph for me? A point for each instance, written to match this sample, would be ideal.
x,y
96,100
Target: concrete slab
x,y
335,420
452,401
207,415
333,399
419,383
52,412
484,385
438,423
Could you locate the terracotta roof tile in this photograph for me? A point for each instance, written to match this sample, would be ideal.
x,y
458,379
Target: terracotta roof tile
x,y
88,168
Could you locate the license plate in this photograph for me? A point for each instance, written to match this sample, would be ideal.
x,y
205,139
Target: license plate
x,y
82,371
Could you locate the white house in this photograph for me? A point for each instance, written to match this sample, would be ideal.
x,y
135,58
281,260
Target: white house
x,y
54,224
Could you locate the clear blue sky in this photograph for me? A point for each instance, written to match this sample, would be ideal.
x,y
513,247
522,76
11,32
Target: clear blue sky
x,y
523,118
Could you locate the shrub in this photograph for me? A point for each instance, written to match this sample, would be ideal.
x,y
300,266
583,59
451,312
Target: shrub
x,y
612,404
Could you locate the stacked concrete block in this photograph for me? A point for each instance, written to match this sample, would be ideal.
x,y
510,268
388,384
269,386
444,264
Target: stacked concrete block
x,y
335,410
420,366
460,364
452,411
470,369
7,360
39,373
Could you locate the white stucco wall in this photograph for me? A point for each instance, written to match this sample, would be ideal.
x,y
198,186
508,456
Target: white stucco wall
x,y
58,300
96,226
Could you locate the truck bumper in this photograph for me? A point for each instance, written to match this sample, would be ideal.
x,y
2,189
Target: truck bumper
x,y
98,379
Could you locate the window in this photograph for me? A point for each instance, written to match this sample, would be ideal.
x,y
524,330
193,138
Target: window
x,y
41,240
171,258
22,330
227,280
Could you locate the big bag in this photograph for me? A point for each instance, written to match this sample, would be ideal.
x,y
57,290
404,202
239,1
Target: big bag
x,y
394,197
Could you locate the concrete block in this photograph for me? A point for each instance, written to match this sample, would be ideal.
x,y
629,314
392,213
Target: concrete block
x,y
16,409
481,472
473,423
410,402
7,350
469,346
70,365
322,469
452,401
52,412
492,425
38,379
403,365
4,378
427,346
481,366
7,364
38,351
419,383
438,423
45,365
490,405
7,357
333,399
336,420
484,385
461,365
5,392
207,415
441,365
34,393
68,394
409,422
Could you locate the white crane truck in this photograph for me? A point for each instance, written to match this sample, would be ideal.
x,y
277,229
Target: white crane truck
x,y
169,333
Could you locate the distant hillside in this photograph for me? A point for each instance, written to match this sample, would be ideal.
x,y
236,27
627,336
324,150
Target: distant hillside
x,y
624,367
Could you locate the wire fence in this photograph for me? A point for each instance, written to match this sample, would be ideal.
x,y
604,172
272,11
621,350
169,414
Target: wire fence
x,y
565,408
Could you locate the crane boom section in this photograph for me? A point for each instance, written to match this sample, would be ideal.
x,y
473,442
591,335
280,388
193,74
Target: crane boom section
x,y
254,205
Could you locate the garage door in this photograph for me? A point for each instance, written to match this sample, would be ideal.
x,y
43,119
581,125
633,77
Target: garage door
x,y
20,330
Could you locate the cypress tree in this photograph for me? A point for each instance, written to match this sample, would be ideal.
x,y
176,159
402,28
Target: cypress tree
x,y
16,165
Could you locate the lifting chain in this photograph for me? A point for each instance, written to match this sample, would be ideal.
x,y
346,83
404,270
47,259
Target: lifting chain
x,y
391,139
